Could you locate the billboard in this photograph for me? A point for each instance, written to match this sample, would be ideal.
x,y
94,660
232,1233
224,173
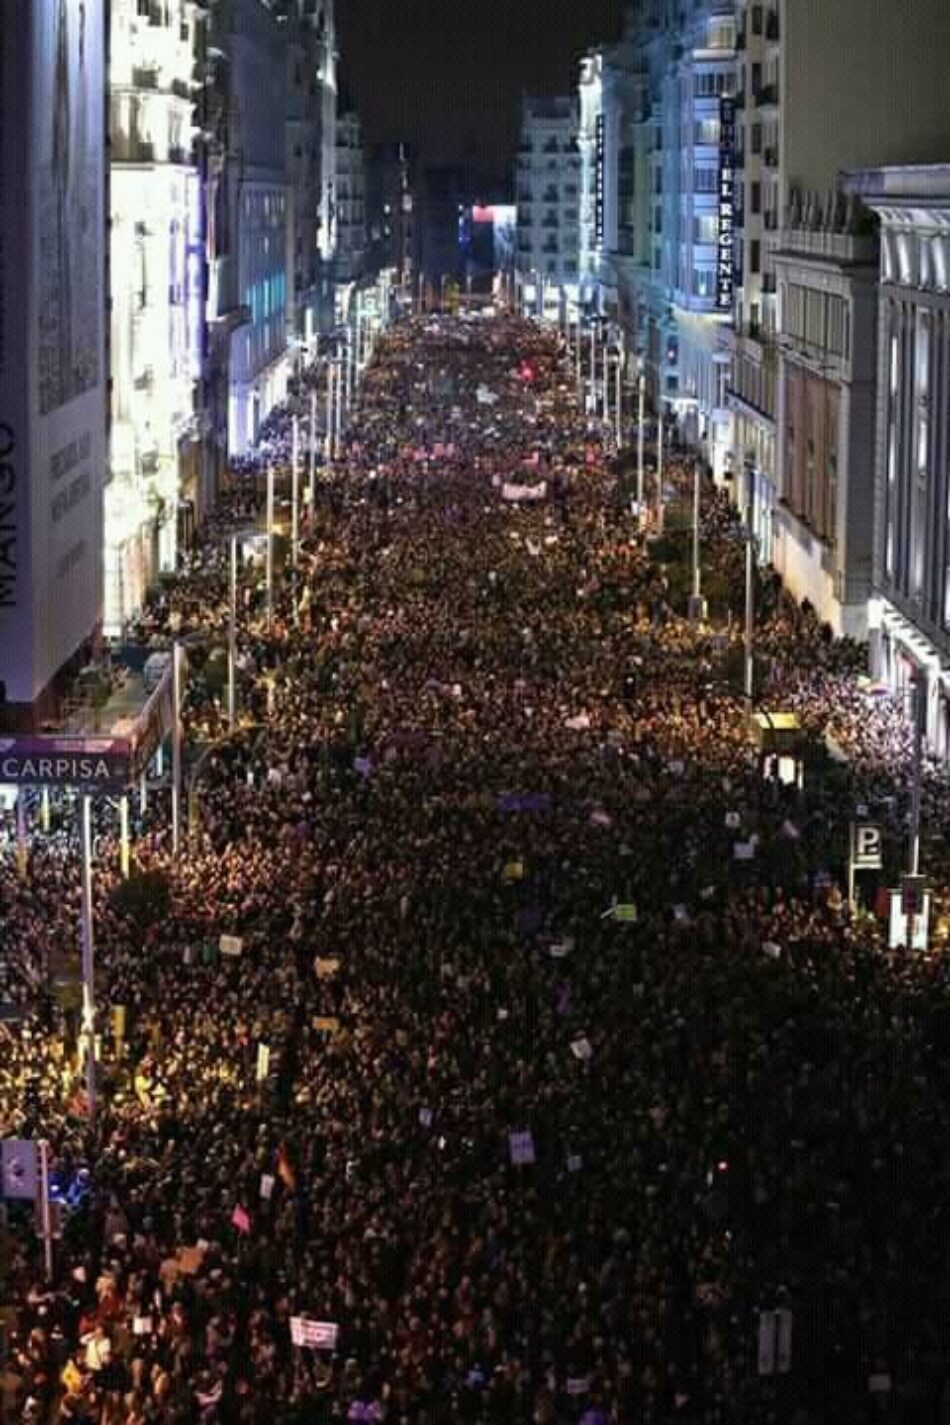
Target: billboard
x,y
52,300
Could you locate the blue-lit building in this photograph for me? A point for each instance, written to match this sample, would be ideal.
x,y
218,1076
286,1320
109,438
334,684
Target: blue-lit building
x,y
258,202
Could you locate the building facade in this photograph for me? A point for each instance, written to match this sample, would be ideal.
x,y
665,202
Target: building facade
x,y
547,189
350,198
803,117
252,220
818,534
156,436
53,363
909,612
657,129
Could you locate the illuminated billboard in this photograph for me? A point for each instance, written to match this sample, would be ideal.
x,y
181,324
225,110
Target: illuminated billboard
x,y
52,305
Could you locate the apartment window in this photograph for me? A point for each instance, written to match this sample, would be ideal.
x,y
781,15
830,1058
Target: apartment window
x,y
756,78
704,282
755,197
722,35
705,180
705,228
755,255
755,138
706,131
757,19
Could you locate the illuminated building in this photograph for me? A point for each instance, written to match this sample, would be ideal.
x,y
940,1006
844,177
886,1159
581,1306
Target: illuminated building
x,y
156,289
802,116
52,347
909,611
350,198
547,188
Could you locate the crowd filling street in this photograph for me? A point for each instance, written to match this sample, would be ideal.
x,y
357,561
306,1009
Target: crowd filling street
x,y
561,1089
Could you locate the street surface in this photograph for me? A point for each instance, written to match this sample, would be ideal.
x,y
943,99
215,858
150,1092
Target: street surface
x,y
476,839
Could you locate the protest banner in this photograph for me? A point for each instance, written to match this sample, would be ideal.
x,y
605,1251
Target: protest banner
x,y
315,1335
230,944
521,1147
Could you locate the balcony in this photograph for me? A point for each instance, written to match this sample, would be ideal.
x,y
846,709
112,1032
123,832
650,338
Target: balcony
x,y
768,96
740,40
768,281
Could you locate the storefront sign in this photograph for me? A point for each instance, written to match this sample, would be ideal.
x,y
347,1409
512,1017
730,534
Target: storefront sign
x,y
65,761
727,183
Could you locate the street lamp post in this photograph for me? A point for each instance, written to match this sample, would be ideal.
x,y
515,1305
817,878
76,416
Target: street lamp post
x,y
313,453
918,708
88,957
578,345
593,361
641,397
618,400
232,637
697,604
176,747
749,582
604,397
269,561
338,419
294,491
659,467
328,436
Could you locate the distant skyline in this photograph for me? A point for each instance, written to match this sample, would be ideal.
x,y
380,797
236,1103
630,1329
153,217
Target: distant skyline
x,y
448,77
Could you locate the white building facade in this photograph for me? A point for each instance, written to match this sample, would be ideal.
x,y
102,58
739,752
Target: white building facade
x,y
157,300
910,605
547,189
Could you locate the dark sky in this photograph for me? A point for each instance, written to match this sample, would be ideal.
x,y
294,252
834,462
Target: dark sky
x,y
447,75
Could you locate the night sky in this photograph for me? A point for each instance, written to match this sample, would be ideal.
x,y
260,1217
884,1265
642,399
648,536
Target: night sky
x,y
447,75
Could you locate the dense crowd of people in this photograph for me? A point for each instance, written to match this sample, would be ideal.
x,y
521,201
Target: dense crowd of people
x,y
575,1058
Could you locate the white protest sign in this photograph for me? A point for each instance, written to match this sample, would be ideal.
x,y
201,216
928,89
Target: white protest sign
x,y
317,1335
267,1186
521,1147
574,1162
580,1048
263,1062
231,944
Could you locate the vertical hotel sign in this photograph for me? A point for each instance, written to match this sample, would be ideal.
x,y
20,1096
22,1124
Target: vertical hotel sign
x,y
727,204
599,183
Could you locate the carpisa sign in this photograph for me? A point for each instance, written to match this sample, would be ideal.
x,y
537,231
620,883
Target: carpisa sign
x,y
65,761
